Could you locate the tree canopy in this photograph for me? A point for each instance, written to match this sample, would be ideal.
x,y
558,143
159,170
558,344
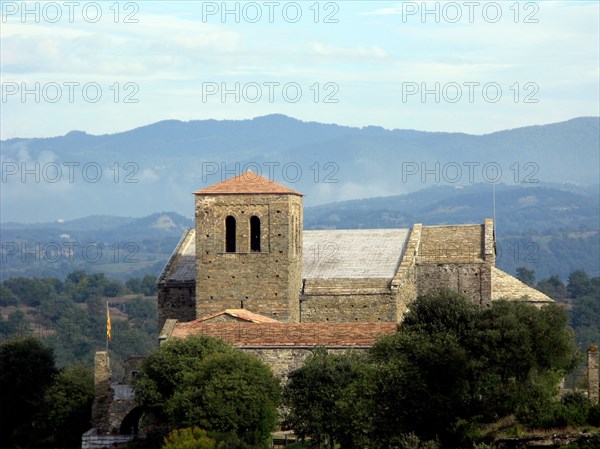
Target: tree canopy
x,y
451,365
202,381
26,371
320,400
41,405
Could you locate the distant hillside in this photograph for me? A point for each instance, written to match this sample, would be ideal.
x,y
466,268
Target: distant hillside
x,y
157,167
518,209
548,229
120,247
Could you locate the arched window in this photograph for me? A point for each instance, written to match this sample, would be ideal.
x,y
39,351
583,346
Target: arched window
x,y
230,234
254,233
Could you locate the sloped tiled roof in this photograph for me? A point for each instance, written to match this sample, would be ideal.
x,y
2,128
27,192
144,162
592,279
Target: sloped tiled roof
x,y
241,314
352,254
244,334
332,254
505,286
246,183
181,267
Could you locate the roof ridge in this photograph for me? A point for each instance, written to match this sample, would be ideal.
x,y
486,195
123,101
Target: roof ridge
x,y
246,183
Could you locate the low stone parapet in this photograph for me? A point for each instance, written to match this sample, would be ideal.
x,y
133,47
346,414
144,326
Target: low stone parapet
x,y
91,440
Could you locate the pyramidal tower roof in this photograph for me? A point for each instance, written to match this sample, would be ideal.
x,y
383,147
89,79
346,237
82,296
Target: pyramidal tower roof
x,y
246,183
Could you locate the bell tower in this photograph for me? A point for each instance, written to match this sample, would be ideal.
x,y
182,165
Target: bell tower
x,y
249,247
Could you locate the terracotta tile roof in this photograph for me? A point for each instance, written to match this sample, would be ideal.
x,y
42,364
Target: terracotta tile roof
x,y
244,334
242,314
246,183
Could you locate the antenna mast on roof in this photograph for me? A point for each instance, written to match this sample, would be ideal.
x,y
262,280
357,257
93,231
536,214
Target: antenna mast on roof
x,y
494,205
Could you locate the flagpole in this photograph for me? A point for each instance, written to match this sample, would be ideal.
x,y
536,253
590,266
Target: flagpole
x,y
107,325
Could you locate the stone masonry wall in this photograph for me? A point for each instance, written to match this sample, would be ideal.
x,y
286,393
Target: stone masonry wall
x,y
176,301
593,374
472,280
285,360
459,258
103,393
451,244
348,308
404,285
347,300
266,282
405,292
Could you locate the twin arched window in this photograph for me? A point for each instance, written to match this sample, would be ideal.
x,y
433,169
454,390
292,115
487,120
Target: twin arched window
x,y
230,234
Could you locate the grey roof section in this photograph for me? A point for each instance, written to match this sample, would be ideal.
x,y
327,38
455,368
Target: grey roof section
x,y
354,253
182,264
331,254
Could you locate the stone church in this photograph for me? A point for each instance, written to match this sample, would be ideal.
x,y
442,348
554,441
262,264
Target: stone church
x,y
250,274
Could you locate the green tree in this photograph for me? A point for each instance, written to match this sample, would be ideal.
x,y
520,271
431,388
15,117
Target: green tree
x,y
26,371
165,368
134,285
585,316
526,275
142,312
16,325
69,405
579,284
231,392
203,381
471,363
149,285
32,292
113,288
553,287
188,438
320,400
82,286
7,297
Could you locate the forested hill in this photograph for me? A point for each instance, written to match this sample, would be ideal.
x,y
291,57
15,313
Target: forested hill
x,y
156,167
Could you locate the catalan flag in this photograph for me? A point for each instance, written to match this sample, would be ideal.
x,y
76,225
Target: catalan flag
x,y
108,326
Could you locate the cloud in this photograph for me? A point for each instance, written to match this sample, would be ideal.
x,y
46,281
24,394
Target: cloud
x,y
357,52
112,50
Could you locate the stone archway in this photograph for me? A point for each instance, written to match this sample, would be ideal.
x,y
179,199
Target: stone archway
x,y
131,422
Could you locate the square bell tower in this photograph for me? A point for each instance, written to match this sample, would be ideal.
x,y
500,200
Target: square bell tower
x,y
249,247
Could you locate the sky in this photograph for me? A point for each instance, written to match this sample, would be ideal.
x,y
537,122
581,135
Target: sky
x,y
474,67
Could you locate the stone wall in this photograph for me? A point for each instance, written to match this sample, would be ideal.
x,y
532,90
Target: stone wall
x,y
405,291
285,360
458,258
266,282
112,401
473,280
93,440
348,308
451,244
176,300
404,284
347,300
593,374
103,393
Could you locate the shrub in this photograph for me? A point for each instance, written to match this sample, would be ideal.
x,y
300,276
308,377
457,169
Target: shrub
x,y
189,438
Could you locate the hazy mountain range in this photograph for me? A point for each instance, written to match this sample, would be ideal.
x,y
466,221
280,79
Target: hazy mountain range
x,y
157,167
